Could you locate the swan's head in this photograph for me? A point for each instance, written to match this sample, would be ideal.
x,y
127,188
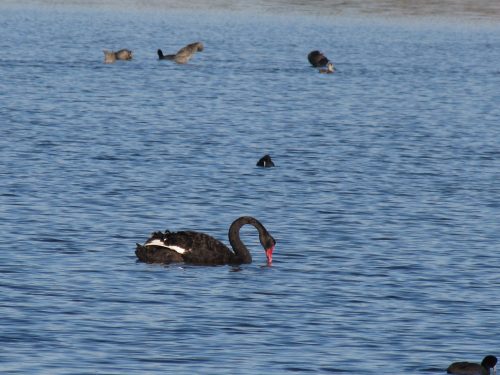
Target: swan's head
x,y
268,242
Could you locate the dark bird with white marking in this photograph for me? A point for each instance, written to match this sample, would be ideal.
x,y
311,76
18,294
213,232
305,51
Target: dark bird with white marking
x,y
469,368
200,248
265,162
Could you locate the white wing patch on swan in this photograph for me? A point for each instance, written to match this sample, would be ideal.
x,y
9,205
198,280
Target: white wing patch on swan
x,y
157,242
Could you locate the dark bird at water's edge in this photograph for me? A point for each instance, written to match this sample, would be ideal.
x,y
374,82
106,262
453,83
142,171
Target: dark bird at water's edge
x,y
469,368
200,248
265,162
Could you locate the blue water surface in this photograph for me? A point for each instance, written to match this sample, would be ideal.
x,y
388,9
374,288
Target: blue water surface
x,y
385,201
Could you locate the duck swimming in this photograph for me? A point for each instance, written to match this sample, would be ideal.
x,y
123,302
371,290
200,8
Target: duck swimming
x,y
317,59
469,368
184,54
111,56
265,162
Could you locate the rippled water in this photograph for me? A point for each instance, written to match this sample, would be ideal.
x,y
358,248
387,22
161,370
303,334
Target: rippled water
x,y
385,201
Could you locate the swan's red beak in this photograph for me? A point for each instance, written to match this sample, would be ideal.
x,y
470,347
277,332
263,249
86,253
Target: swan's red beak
x,y
269,254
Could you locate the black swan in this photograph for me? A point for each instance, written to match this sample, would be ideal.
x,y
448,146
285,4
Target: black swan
x,y
123,54
184,54
317,59
329,69
200,248
265,162
468,368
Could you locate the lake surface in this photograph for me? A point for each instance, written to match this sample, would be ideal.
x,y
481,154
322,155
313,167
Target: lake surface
x,y
385,201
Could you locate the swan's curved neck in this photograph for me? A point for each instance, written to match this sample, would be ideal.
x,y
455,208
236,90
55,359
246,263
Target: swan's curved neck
x,y
238,246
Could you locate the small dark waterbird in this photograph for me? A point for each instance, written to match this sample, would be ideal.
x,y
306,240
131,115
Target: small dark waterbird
x,y
317,59
265,162
200,248
469,368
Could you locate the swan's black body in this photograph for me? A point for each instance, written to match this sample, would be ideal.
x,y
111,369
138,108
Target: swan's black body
x,y
317,59
265,162
468,368
200,248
